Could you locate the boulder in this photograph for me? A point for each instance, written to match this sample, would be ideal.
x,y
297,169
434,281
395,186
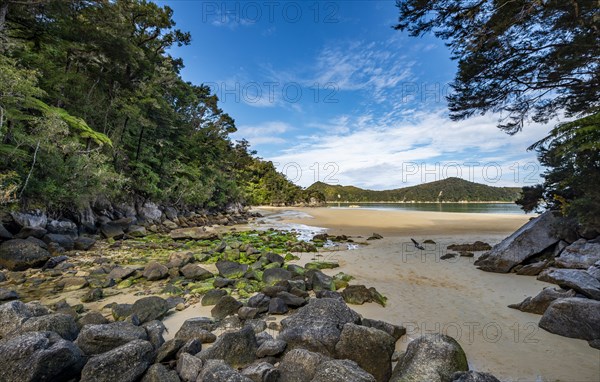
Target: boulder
x,y
594,270
299,365
73,283
154,330
121,311
271,348
472,376
213,296
540,303
35,218
180,259
261,372
195,272
529,240
317,280
120,273
370,348
4,234
576,279
54,261
260,301
13,314
318,325
277,306
159,373
64,241
272,276
137,231
193,233
93,295
237,348
341,371
231,270
110,231
197,327
430,358
193,346
25,232
150,308
168,350
155,271
62,227
19,255
83,243
62,324
96,339
149,212
247,313
580,255
573,317
357,294
219,371
92,318
8,294
396,331
291,299
126,363
275,258
226,306
39,356
532,269
188,367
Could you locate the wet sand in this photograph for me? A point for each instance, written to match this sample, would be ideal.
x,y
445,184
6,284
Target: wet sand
x,y
426,294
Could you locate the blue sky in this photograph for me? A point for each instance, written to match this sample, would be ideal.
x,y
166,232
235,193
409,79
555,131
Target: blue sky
x,y
329,91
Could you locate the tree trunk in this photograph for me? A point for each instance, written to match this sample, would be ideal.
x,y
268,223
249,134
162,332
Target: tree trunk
x,y
3,13
139,145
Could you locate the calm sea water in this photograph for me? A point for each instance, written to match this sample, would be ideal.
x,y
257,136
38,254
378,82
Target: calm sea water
x,y
480,208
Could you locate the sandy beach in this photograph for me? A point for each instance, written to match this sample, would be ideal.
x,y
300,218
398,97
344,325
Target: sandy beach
x,y
426,294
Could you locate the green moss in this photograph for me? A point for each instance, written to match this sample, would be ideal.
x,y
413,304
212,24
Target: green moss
x,y
125,284
291,257
200,288
321,265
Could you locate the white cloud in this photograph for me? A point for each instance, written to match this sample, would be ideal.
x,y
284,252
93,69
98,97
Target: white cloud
x,y
382,156
266,133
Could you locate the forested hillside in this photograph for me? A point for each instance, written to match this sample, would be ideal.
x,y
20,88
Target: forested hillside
x,y
446,190
92,105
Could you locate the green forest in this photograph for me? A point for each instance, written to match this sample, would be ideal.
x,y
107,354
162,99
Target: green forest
x,y
92,105
446,190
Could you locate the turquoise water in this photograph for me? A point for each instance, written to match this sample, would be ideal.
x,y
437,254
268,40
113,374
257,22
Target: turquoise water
x,y
478,208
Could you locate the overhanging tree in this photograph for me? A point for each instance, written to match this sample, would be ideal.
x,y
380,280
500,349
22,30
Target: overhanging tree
x,y
527,60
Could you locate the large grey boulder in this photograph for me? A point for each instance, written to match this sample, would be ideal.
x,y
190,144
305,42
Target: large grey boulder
x,y
219,371
62,324
318,325
261,372
540,303
580,255
62,227
370,348
529,240
195,272
341,371
13,314
299,365
39,356
226,306
238,348
576,279
193,233
188,367
35,218
318,281
64,241
155,271
594,270
430,358
395,331
19,255
150,308
270,348
199,328
231,270
126,363
96,339
273,275
573,317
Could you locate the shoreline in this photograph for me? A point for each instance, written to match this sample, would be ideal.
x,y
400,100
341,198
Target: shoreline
x,y
427,294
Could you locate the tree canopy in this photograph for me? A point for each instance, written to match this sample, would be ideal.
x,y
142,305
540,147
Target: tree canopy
x,y
93,105
529,61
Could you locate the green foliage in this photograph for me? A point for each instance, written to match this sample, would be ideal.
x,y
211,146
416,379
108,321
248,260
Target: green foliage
x,y
447,190
92,104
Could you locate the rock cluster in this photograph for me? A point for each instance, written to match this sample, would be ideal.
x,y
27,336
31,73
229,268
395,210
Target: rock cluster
x,y
322,341
567,258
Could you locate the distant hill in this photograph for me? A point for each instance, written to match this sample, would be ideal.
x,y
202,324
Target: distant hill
x,y
446,190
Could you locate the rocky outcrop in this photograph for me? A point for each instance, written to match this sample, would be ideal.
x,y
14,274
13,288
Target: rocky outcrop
x,y
318,325
19,255
576,279
540,303
39,356
573,317
370,348
97,339
126,363
430,358
580,255
528,241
